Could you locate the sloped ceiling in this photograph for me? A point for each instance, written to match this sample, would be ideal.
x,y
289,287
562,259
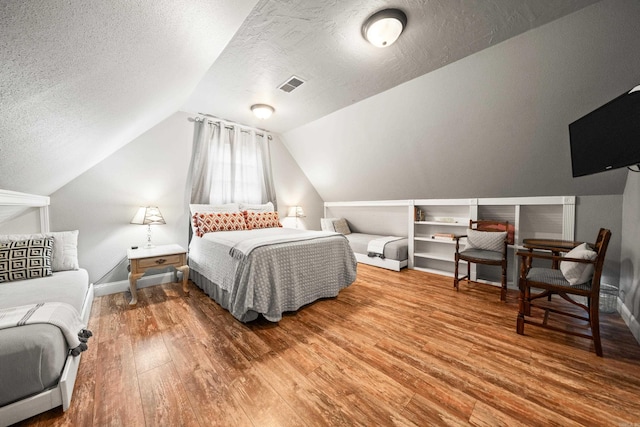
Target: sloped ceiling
x,y
80,79
321,42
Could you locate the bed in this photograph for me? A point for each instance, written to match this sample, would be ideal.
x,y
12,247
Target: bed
x,y
37,371
270,270
390,252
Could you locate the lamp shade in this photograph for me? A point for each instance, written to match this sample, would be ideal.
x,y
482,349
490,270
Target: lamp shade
x,y
295,212
149,215
383,28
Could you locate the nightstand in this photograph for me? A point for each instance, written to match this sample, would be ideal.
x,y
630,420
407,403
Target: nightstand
x,y
141,260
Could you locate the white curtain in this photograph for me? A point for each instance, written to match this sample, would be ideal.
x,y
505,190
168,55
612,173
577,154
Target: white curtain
x,y
230,164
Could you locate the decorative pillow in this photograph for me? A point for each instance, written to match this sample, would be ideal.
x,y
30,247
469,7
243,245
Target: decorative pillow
x,y
486,240
327,224
341,226
25,259
195,208
577,273
64,255
262,220
257,207
211,222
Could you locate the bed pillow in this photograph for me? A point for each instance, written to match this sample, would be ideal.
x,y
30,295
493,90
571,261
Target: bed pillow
x,y
212,222
64,255
257,207
341,226
262,220
195,208
486,240
326,224
25,259
577,273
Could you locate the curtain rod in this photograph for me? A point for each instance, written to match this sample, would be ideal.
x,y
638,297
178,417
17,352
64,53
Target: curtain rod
x,y
218,121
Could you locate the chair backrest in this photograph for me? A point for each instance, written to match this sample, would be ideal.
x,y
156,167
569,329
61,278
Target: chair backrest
x,y
491,225
600,246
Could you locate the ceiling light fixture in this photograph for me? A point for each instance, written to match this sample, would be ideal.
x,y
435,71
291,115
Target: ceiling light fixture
x,y
262,111
384,27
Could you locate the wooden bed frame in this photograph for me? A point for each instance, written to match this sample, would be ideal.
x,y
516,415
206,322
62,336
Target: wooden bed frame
x,y
62,392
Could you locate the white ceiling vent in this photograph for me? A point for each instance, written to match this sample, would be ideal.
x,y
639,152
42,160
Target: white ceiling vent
x,y
291,84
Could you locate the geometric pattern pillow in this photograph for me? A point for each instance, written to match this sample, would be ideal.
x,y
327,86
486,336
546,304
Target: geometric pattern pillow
x,y
577,273
211,222
262,220
486,240
25,259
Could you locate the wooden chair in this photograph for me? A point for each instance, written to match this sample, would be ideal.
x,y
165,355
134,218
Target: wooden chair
x,y
552,281
486,244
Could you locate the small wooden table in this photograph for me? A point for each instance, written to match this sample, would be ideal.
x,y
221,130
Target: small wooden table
x,y
141,260
553,245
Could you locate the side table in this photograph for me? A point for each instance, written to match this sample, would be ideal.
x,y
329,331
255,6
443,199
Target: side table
x,y
142,259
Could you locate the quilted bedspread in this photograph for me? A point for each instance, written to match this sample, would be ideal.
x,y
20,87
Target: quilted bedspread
x,y
272,270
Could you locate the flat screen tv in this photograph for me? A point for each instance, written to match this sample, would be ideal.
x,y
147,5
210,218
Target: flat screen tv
x,y
608,137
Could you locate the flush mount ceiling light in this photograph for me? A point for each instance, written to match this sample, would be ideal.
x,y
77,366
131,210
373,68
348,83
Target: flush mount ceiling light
x,y
384,27
262,111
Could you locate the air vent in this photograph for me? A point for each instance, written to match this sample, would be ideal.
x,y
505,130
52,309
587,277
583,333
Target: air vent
x,y
291,84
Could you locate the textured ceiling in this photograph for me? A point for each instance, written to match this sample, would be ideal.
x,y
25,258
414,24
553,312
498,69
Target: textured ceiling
x,y
321,42
80,79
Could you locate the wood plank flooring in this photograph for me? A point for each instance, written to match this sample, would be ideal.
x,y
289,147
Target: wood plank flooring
x,y
392,349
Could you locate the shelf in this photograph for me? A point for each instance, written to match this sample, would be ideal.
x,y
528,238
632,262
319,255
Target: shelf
x,y
437,257
431,240
441,223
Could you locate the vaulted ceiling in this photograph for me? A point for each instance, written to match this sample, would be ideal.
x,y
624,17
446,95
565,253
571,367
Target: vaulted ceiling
x,y
81,79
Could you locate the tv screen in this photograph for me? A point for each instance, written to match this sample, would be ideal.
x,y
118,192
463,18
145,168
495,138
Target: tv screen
x,y
607,138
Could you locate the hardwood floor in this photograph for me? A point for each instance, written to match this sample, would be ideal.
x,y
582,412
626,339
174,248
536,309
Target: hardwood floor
x,y
392,349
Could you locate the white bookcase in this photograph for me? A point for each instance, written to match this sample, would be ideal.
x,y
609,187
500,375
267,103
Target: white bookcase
x,y
532,217
444,216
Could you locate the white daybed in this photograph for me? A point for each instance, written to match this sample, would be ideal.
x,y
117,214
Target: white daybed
x,y
32,385
390,252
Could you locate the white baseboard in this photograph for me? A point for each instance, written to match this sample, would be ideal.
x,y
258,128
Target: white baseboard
x,y
629,319
143,282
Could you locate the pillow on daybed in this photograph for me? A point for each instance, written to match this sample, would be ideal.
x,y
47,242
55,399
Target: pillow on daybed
x,y
211,222
341,226
25,259
486,240
577,273
64,254
326,224
261,220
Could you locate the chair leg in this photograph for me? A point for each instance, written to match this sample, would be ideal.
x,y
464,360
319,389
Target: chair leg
x,y
521,313
455,273
503,290
594,320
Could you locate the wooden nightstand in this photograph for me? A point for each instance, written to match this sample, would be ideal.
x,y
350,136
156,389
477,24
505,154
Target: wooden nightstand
x,y
141,260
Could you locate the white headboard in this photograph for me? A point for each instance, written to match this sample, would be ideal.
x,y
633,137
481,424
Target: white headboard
x,y
23,200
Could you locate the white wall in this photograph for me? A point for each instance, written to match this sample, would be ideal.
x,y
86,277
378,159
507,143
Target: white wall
x,y
152,169
494,124
630,256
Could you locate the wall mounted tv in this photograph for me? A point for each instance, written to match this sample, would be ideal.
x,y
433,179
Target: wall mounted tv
x,y
608,137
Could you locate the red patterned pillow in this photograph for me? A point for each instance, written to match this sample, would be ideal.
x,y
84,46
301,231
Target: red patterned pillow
x,y
210,222
261,219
